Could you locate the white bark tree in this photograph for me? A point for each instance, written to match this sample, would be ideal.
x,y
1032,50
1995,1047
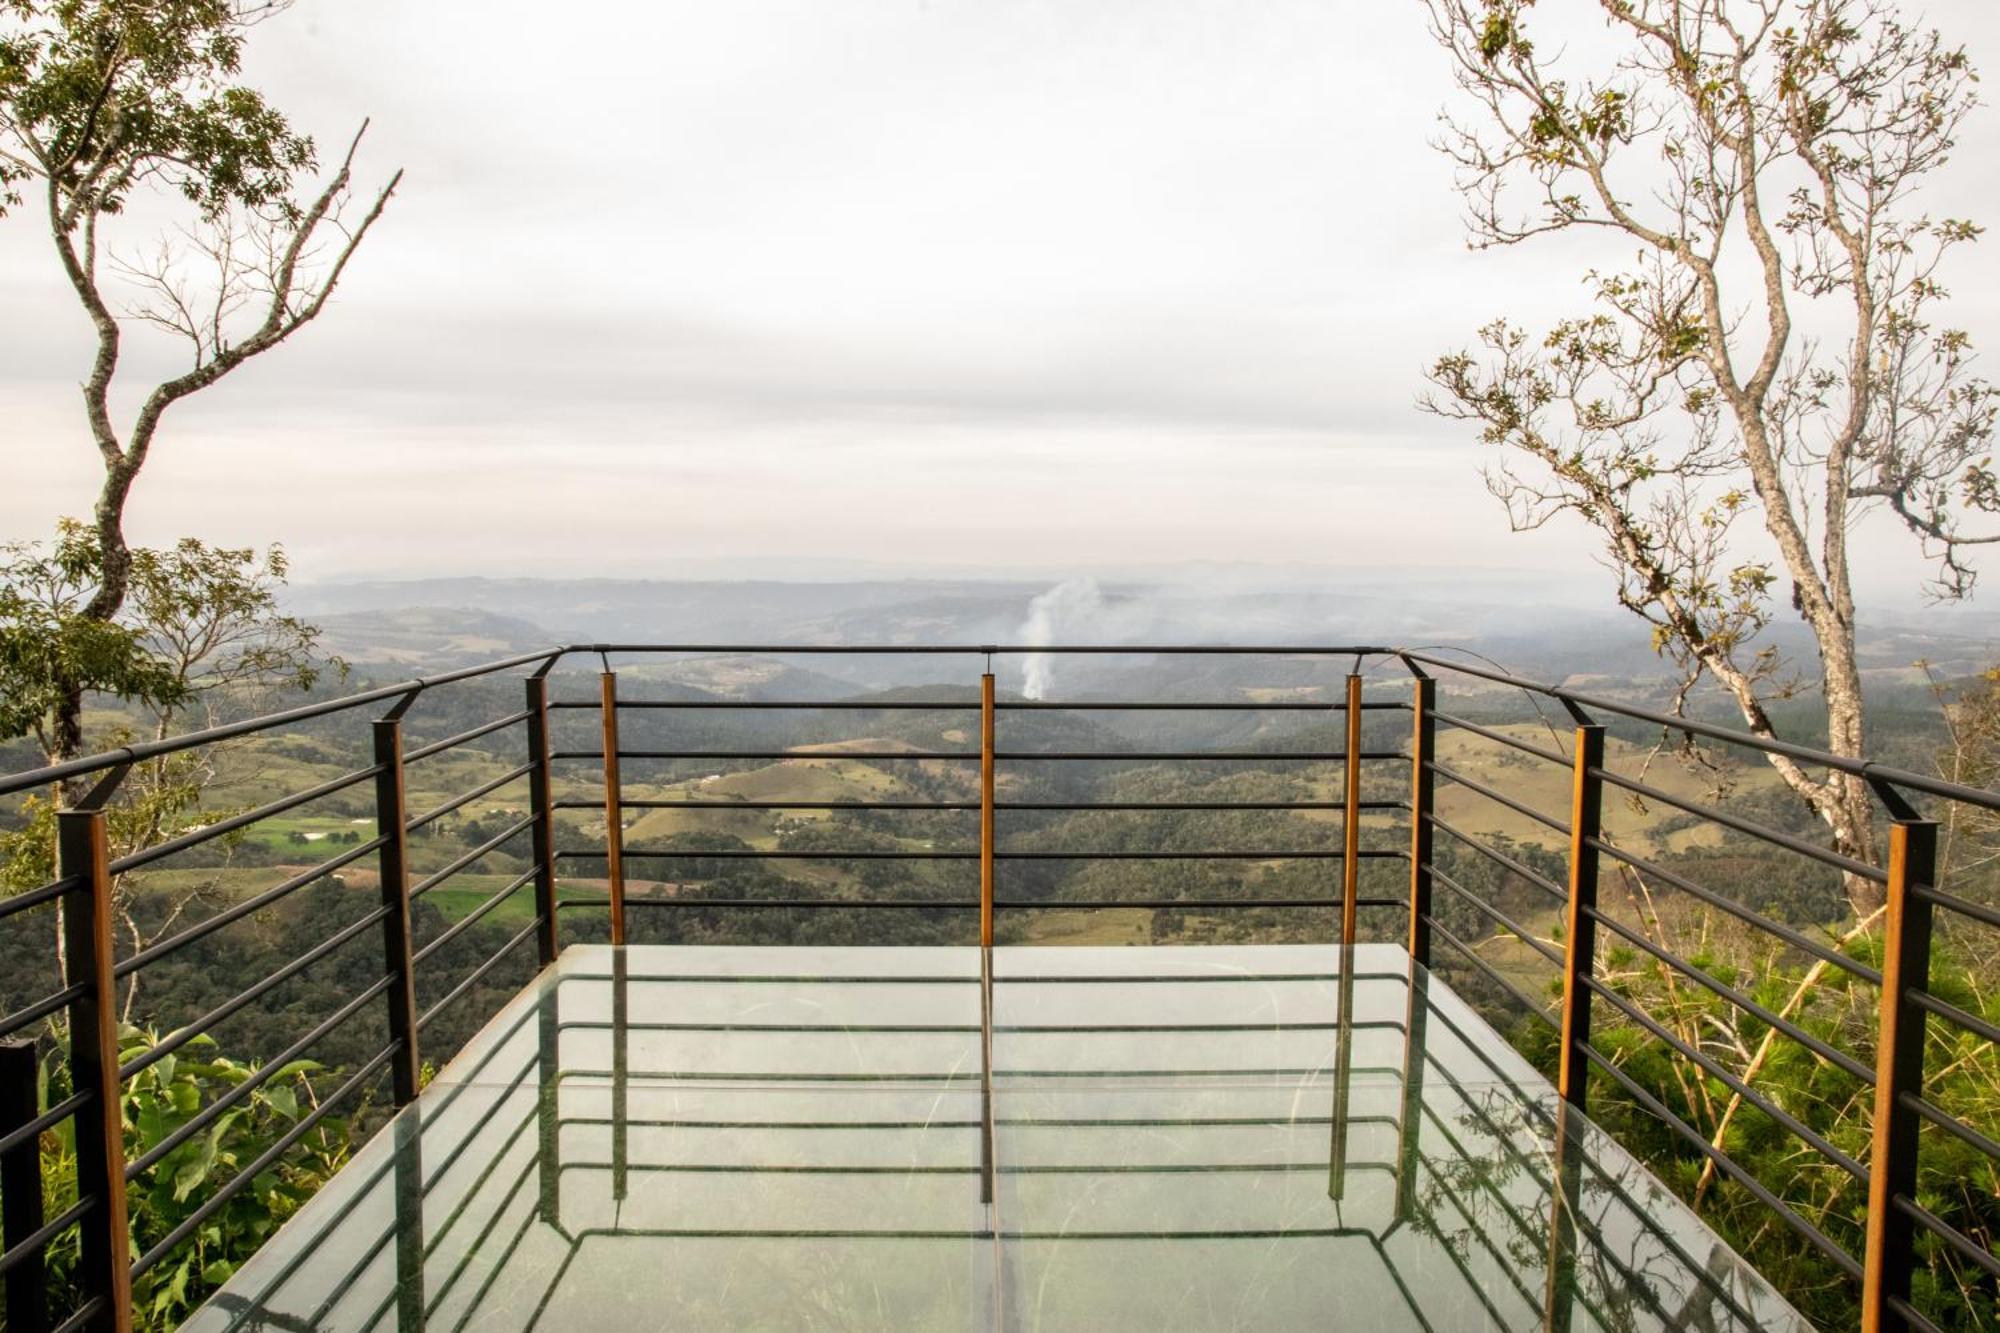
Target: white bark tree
x,y
1774,355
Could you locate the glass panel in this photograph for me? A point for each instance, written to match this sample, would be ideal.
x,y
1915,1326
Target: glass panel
x,y
1202,1137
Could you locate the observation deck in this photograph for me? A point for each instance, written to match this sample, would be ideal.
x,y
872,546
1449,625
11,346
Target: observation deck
x,y
719,1010
1094,1138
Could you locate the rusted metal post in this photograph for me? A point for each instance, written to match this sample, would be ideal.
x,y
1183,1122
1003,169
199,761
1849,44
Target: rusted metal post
x,y
1586,813
21,1189
986,811
542,832
84,853
614,808
1887,1256
392,826
1350,830
1423,752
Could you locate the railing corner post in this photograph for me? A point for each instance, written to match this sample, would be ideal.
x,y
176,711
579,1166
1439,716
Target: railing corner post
x,y
1887,1256
1350,823
83,849
1580,916
614,807
986,732
392,826
1423,781
542,832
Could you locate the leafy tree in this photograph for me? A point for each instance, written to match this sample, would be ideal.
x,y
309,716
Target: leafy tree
x,y
200,633
1774,354
105,101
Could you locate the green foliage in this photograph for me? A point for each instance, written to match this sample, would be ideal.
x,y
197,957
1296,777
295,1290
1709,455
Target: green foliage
x,y
101,95
49,647
154,1105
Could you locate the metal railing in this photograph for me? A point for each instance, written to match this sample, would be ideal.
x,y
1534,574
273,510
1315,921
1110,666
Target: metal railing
x,y
83,886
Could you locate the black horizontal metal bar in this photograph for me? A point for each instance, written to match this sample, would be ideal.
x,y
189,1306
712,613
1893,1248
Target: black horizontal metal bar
x,y
472,978
1513,742
736,854
1492,974
1951,1013
35,897
37,1240
1714,1069
187,1032
1845,864
797,705
636,803
1948,1233
256,1079
1170,904
873,755
1174,706
458,863
131,754
1918,1321
41,1008
469,734
195,837
949,904
459,802
1501,859
249,1172
173,943
467,921
1831,1054
1951,902
25,1133
1500,798
85,1315
1792,937
1895,777
1952,1125
993,649
1178,756
1726,1164
1507,923
1069,756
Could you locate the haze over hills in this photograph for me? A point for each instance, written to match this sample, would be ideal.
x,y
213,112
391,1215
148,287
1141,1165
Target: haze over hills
x,y
1536,627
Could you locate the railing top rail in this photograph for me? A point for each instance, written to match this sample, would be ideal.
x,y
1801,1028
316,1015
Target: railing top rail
x,y
132,754
1861,768
547,657
1000,649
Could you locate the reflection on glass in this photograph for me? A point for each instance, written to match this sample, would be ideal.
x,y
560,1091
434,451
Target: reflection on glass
x,y
1145,1139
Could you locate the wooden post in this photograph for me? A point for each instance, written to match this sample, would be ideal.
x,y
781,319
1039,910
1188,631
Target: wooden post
x,y
392,826
1350,832
1887,1256
21,1188
84,853
543,831
614,810
1423,781
986,811
1586,811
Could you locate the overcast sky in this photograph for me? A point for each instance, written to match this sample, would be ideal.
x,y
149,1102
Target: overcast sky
x,y
754,288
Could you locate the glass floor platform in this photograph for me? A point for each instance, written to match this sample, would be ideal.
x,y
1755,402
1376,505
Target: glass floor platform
x,y
1104,1139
